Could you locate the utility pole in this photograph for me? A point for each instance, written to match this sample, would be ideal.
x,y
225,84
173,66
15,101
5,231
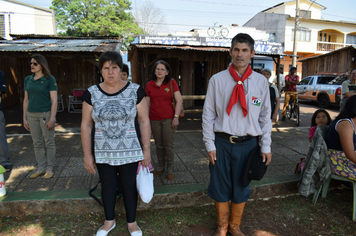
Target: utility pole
x,y
296,23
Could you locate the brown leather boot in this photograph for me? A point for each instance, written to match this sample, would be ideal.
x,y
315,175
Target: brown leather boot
x,y
222,212
235,218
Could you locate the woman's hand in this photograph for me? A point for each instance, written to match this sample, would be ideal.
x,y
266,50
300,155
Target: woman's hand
x,y
89,163
147,158
50,124
25,124
175,123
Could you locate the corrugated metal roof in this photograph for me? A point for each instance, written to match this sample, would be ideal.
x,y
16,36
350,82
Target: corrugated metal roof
x,y
60,45
199,48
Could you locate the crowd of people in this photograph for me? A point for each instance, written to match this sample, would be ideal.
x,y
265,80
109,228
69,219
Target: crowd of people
x,y
118,117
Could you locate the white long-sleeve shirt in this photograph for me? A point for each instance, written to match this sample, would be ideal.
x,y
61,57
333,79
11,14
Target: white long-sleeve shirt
x,y
258,119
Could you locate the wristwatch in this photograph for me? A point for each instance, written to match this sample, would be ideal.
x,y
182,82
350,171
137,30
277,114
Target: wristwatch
x,y
176,116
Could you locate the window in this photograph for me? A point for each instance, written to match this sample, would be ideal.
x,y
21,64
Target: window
x,y
351,39
305,14
325,79
302,34
2,26
305,81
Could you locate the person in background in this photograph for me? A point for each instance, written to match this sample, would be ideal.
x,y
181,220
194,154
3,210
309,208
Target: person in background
x,y
274,95
164,119
236,110
109,111
291,89
320,117
282,82
348,88
341,141
4,147
125,72
39,114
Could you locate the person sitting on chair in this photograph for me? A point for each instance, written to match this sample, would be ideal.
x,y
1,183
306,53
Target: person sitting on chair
x,y
341,140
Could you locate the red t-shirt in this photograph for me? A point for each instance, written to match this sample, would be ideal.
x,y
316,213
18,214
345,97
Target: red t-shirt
x,y
291,88
161,99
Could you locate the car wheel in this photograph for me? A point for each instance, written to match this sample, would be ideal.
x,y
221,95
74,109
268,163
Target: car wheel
x,y
323,101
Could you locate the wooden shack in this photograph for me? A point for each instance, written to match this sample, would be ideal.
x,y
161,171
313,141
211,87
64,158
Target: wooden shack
x,y
192,61
72,61
335,62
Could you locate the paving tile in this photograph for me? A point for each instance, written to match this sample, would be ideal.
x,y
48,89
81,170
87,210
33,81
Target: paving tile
x,y
75,170
72,183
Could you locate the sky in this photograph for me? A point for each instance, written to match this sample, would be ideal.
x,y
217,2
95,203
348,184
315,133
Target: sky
x,y
185,15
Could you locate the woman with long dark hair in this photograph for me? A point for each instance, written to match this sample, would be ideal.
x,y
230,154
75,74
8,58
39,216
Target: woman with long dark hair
x,y
341,141
39,114
164,119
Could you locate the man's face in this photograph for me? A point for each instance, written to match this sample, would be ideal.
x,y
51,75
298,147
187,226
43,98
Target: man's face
x,y
292,71
353,75
241,55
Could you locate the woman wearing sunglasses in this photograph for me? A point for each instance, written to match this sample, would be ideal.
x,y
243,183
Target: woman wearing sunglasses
x,y
39,114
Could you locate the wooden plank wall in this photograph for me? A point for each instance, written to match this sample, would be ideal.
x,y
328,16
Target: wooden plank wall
x,y
71,71
340,61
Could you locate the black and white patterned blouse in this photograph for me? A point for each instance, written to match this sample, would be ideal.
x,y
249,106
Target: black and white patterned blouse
x,y
116,141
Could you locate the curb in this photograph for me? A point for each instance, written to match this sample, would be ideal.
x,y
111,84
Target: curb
x,y
78,201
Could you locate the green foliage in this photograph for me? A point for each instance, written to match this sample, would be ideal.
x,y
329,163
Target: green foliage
x,y
96,18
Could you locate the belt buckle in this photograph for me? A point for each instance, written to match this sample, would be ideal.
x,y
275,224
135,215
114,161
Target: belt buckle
x,y
231,137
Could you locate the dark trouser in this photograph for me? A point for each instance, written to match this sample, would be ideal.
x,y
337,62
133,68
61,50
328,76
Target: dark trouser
x,y
4,147
108,178
225,175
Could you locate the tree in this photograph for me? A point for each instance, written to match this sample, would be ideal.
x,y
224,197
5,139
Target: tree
x,y
96,18
149,17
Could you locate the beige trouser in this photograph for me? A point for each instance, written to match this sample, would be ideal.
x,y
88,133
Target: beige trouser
x,y
287,96
164,139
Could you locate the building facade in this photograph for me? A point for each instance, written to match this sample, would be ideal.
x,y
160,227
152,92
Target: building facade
x,y
20,18
315,36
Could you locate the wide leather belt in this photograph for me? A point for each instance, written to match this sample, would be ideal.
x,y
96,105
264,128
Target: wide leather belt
x,y
234,138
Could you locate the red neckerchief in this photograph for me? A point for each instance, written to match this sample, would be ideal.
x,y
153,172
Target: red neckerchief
x,y
239,91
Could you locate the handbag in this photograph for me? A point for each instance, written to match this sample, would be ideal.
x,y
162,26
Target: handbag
x,y
181,113
144,182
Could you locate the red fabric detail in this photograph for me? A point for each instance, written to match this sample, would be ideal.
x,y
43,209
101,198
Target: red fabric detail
x,y
160,98
291,88
239,92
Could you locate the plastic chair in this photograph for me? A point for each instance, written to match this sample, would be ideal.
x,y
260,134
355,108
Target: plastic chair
x,y
60,105
325,188
75,100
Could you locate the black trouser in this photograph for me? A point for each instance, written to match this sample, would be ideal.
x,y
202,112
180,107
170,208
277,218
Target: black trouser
x,y
108,178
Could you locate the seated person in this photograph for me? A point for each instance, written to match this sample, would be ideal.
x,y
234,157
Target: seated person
x,y
341,139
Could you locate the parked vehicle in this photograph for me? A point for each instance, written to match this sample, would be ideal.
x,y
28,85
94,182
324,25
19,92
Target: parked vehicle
x,y
324,89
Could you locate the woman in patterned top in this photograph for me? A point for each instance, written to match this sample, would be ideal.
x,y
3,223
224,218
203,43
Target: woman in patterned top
x,y
115,115
341,141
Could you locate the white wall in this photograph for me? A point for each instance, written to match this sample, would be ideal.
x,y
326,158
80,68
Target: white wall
x,y
27,19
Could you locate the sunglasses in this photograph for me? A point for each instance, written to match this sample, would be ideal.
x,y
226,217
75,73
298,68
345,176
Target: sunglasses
x,y
34,63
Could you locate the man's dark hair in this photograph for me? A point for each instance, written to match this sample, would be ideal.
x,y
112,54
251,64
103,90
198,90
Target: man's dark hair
x,y
243,38
112,56
125,68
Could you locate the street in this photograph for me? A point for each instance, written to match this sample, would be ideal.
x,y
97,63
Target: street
x,y
307,110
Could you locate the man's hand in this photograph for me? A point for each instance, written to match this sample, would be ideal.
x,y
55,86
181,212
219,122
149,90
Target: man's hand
x,y
212,156
268,157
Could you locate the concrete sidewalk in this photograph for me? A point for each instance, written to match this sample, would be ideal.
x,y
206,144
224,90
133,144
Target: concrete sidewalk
x,y
67,191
